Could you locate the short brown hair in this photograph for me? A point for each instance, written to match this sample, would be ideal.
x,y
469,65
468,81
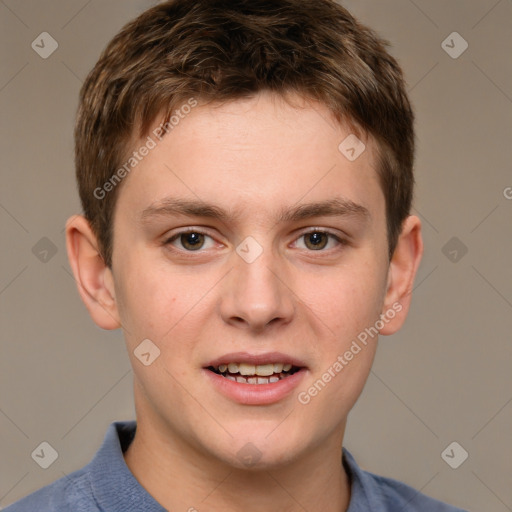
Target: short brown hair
x,y
222,50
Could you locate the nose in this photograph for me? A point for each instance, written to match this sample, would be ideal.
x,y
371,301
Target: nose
x,y
256,296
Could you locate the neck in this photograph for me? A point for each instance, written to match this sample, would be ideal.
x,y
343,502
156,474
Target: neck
x,y
181,477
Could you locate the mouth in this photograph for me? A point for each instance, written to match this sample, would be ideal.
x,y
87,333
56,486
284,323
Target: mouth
x,y
255,379
247,373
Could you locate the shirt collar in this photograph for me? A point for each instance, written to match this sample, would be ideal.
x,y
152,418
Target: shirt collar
x,y
114,486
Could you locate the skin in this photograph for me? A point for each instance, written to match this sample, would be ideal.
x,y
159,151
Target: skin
x,y
256,156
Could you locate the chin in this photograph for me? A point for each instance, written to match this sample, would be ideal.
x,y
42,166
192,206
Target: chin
x,y
257,446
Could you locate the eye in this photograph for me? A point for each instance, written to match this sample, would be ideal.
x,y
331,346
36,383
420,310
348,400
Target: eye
x,y
191,240
318,240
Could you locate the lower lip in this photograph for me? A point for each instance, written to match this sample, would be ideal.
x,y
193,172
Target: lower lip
x,y
256,394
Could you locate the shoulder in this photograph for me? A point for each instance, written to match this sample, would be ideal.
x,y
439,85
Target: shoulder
x,y
399,496
105,483
382,494
71,493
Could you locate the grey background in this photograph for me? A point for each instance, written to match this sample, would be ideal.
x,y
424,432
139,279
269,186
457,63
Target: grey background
x,y
446,376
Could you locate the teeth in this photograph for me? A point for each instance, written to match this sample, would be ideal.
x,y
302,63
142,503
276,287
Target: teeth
x,y
246,369
278,367
262,370
265,370
233,368
254,380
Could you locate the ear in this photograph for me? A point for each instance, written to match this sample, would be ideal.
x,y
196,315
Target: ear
x,y
94,279
402,271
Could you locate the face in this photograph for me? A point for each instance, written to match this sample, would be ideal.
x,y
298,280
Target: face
x,y
246,242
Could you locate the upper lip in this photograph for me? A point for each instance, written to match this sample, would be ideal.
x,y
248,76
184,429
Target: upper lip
x,y
256,359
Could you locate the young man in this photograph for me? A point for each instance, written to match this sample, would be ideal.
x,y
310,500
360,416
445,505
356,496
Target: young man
x,y
245,170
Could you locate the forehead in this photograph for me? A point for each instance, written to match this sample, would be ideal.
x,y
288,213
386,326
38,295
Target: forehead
x,y
255,155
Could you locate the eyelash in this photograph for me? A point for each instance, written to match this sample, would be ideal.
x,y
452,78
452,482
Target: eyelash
x,y
176,236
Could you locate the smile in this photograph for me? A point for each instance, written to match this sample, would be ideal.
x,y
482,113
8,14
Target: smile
x,y
246,373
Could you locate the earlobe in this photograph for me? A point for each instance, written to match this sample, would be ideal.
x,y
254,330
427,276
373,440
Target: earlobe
x,y
402,271
94,279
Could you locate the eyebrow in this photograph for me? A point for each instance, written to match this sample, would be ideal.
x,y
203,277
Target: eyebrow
x,y
335,207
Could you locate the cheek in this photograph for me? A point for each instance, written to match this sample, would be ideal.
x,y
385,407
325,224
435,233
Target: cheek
x,y
148,302
348,305
346,347
347,300
169,307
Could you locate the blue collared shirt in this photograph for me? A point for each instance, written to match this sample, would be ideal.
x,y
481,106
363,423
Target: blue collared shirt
x,y
107,485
